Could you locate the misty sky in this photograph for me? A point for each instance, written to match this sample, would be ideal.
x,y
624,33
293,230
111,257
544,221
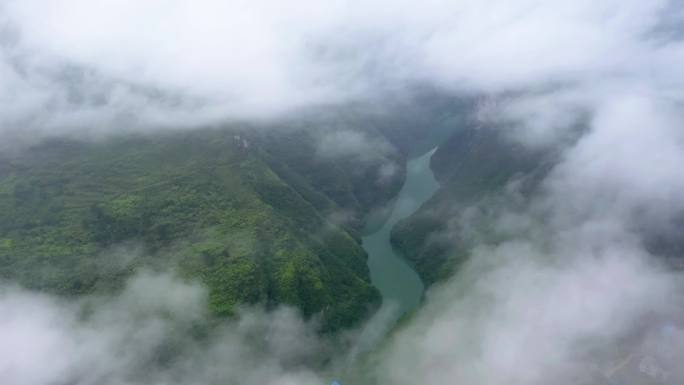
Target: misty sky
x,y
575,268
69,65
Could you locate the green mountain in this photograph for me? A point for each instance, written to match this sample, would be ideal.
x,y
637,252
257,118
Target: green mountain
x,y
269,213
473,166
251,215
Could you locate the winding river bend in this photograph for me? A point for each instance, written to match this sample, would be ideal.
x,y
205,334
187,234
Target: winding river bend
x,y
398,283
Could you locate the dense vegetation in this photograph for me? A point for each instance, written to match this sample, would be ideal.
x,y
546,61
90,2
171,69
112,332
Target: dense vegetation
x,y
250,217
260,214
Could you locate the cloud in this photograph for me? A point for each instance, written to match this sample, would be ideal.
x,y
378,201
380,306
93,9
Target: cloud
x,y
73,65
514,314
145,335
574,277
49,340
570,289
561,286
157,331
341,144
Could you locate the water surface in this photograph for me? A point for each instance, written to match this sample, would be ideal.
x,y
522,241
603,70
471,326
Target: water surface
x,y
398,283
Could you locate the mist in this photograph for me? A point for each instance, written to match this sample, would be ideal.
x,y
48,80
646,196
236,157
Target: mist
x,y
93,68
573,292
144,335
572,287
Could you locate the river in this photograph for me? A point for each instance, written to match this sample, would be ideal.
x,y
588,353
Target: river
x,y
398,283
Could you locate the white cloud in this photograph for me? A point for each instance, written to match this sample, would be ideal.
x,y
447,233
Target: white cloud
x,y
574,273
123,339
187,63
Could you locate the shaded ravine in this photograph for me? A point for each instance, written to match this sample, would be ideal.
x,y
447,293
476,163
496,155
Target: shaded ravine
x,y
394,277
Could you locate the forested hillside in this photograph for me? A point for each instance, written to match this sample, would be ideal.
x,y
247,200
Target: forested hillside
x,y
261,213
254,219
473,166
